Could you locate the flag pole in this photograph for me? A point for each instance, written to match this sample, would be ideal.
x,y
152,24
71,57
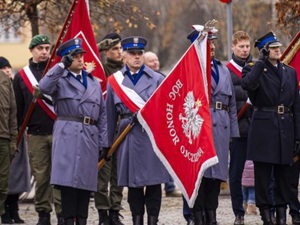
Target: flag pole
x,y
59,40
118,141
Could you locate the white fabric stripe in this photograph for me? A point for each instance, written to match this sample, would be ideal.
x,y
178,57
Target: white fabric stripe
x,y
236,65
34,82
132,95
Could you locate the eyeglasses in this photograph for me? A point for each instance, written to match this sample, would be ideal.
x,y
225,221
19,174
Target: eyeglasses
x,y
136,52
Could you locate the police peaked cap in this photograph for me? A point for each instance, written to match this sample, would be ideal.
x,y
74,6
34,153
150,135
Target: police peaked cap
x,y
134,42
72,45
270,39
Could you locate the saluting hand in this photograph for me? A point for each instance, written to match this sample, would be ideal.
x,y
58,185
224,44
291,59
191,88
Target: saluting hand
x,y
67,60
264,53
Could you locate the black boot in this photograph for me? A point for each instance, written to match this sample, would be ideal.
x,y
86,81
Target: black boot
x,y
266,216
103,217
152,220
114,217
60,219
211,217
281,216
44,218
6,217
81,221
198,218
14,208
138,220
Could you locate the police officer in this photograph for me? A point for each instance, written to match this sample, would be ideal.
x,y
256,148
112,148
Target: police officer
x,y
138,166
80,130
40,126
275,126
225,126
108,200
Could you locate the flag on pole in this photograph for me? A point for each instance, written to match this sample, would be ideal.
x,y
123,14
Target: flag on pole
x,y
291,55
178,122
79,26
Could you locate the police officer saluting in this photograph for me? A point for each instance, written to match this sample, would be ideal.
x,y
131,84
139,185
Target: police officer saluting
x,y
275,127
79,131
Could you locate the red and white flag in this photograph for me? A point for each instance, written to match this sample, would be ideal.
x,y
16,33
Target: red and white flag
x,y
79,26
178,122
291,55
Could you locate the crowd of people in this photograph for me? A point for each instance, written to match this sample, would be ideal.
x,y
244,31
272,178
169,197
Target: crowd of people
x,y
255,111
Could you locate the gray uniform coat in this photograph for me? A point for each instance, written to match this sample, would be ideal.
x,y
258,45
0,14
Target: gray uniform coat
x,y
75,145
224,123
271,135
138,165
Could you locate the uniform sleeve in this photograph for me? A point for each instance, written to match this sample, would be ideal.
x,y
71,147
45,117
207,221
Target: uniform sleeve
x,y
251,74
296,109
48,84
13,127
102,123
19,98
112,115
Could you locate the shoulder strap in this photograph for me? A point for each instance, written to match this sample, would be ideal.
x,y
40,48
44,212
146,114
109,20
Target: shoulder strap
x,y
128,96
29,81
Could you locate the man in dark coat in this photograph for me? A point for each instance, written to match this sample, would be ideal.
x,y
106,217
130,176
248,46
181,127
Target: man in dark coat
x,y
275,127
108,200
40,127
240,45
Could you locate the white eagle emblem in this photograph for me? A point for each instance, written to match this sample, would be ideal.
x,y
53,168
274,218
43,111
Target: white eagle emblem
x,y
192,122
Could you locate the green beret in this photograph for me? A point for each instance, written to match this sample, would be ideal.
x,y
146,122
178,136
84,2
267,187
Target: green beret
x,y
106,44
39,40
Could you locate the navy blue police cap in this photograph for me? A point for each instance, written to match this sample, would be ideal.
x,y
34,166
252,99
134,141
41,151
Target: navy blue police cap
x,y
134,43
72,45
270,39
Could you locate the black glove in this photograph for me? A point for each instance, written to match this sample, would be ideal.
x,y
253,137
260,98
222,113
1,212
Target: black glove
x,y
296,151
103,154
264,53
67,60
37,92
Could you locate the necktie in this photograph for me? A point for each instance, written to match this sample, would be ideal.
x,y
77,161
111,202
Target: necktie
x,y
78,77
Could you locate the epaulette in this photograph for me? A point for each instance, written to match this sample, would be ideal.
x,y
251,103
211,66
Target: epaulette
x,y
250,63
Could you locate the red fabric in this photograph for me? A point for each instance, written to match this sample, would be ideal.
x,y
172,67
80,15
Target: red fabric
x,y
295,63
161,119
234,69
80,27
124,98
225,1
39,101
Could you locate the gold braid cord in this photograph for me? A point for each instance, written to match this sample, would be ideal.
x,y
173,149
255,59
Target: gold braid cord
x,y
290,55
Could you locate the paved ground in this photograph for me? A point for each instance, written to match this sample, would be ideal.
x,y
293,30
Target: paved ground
x,y
171,213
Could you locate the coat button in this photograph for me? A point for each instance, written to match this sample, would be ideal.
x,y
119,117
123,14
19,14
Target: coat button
x,y
81,131
214,124
225,127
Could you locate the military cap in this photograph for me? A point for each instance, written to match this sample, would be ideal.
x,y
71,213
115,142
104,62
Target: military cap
x,y
134,42
4,62
109,41
73,45
270,39
39,40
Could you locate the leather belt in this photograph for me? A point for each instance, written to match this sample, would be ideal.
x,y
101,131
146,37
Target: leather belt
x,y
126,116
219,106
280,109
85,120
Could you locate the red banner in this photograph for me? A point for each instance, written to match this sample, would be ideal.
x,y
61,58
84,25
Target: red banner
x,y
80,27
291,55
225,1
178,122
